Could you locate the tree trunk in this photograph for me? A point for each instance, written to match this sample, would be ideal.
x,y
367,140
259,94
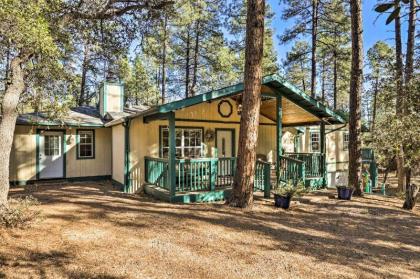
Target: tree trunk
x,y
165,26
314,43
243,185
195,66
375,98
409,62
410,193
7,68
335,79
323,81
400,93
302,69
355,97
82,99
187,66
8,122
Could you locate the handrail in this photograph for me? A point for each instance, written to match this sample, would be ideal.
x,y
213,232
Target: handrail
x,y
293,159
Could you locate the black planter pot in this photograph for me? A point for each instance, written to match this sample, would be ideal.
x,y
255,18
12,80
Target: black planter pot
x,y
344,193
282,201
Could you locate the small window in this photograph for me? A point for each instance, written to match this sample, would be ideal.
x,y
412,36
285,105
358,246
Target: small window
x,y
51,145
86,144
346,141
315,143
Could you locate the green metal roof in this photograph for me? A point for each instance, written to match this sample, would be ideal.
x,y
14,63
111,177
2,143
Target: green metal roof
x,y
275,82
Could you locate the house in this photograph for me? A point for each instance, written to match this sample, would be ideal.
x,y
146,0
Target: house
x,y
180,151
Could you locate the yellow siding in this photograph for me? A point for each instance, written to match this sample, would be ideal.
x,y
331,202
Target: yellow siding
x,y
118,153
23,155
100,165
144,137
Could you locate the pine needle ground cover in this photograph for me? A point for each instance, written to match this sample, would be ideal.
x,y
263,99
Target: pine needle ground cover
x,y
89,230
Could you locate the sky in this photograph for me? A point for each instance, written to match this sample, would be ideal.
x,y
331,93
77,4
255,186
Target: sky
x,y
374,28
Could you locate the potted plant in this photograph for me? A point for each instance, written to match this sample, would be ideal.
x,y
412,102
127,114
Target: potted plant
x,y
284,192
344,192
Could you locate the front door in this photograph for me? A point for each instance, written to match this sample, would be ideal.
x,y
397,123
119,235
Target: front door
x,y
225,152
51,159
224,143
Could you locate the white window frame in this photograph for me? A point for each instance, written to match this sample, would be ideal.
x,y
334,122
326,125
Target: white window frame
x,y
311,138
180,149
346,141
79,143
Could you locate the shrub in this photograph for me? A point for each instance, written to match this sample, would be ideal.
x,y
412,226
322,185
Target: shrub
x,y
290,188
19,213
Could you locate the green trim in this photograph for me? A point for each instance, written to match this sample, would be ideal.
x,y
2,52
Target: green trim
x,y
233,138
127,182
280,86
279,134
323,149
219,111
164,195
78,144
63,150
172,154
47,123
17,183
177,127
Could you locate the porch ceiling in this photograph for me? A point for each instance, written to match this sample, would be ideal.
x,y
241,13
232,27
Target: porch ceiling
x,y
292,114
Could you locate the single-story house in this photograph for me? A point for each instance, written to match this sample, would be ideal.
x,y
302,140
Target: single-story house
x,y
179,151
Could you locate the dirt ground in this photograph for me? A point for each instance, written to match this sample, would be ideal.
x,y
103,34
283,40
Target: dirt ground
x,y
89,230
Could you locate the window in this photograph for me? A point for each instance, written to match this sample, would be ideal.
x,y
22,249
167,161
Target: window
x,y
187,142
51,145
346,141
85,144
315,144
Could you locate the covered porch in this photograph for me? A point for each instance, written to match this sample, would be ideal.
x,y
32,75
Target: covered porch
x,y
178,178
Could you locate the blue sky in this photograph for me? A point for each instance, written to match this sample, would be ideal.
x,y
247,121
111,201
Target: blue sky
x,y
374,28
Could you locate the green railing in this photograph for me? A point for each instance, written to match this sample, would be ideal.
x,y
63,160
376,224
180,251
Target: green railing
x,y
291,169
226,167
262,180
156,172
314,163
195,174
203,174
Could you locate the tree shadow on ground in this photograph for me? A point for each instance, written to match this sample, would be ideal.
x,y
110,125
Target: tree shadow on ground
x,y
337,232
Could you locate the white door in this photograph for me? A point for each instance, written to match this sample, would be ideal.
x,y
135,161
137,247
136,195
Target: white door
x,y
51,155
224,143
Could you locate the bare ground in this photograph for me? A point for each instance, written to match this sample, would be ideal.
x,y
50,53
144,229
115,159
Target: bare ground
x,y
92,231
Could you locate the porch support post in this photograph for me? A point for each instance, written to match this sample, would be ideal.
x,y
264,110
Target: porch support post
x,y
323,152
279,134
172,154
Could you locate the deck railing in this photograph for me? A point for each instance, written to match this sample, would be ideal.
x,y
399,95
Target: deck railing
x,y
291,169
156,172
314,163
202,174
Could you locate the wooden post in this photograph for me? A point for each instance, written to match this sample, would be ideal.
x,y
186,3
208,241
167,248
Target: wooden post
x,y
213,173
172,154
267,180
323,152
279,135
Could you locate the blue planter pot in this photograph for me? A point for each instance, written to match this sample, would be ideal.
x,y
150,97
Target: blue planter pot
x,y
282,201
344,193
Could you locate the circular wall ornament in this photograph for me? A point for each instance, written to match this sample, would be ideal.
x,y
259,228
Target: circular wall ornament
x,y
225,108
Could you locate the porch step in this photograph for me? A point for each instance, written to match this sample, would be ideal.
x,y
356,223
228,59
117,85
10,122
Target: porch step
x,y
187,197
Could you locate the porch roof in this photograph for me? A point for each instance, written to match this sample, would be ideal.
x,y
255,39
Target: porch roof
x,y
298,108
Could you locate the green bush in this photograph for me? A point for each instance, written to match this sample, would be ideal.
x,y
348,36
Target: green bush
x,y
18,214
290,188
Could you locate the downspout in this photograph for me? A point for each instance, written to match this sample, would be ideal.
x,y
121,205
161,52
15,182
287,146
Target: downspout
x,y
126,125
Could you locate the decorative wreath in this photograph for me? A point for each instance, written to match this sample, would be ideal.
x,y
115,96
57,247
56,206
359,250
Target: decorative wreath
x,y
209,135
225,108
